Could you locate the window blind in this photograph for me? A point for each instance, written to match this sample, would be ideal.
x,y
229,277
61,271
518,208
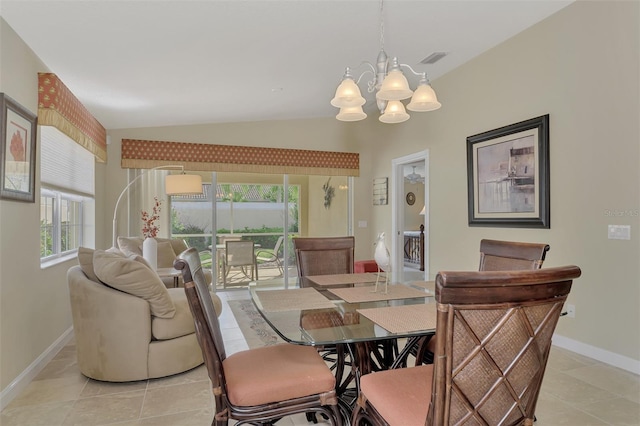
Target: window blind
x,y
65,165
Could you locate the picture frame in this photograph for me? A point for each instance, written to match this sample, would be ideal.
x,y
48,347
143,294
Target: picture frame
x,y
18,148
508,176
380,191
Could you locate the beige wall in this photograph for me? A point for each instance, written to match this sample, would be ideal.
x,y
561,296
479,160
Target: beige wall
x,y
34,303
328,221
412,217
580,66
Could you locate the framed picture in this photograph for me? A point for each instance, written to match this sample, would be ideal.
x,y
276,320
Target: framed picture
x,y
380,191
18,147
508,175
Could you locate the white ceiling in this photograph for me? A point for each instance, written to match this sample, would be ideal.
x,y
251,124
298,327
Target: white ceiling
x,y
164,62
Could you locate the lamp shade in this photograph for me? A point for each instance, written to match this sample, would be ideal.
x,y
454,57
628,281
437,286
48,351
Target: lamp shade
x,y
351,114
424,99
394,113
183,184
394,87
347,95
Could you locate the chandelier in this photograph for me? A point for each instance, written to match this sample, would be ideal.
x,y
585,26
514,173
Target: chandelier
x,y
390,85
414,177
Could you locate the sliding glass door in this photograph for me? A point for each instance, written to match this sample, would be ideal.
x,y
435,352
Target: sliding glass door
x,y
267,209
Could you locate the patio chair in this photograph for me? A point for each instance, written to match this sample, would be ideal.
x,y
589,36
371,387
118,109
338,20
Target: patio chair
x,y
268,256
240,255
496,256
493,339
256,386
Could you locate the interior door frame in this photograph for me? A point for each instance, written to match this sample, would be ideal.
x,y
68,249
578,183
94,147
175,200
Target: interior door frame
x,y
397,213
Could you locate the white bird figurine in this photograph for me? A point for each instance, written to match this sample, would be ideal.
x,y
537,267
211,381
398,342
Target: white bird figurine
x,y
383,259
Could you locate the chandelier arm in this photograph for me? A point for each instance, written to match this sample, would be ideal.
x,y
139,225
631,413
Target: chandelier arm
x,y
369,64
371,83
421,74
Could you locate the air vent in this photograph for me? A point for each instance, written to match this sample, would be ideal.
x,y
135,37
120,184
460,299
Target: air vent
x,y
433,58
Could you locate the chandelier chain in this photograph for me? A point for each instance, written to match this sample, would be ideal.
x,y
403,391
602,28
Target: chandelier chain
x,y
381,24
390,85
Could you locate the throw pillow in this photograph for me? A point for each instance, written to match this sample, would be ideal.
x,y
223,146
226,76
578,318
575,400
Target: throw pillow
x,y
85,259
140,259
134,278
166,255
130,245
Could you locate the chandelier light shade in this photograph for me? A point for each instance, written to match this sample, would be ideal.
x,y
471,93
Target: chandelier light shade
x,y
391,86
395,86
394,113
424,99
183,184
348,94
351,114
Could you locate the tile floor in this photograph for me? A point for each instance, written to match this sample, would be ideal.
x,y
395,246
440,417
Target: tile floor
x,y
576,391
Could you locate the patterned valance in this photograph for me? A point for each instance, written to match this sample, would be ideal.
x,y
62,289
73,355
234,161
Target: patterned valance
x,y
146,154
58,107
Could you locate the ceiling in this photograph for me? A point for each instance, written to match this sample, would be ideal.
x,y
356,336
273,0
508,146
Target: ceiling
x,y
161,62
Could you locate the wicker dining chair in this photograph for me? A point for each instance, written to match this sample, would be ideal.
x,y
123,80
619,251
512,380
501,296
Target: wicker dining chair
x,y
256,386
324,255
495,255
511,255
335,255
493,340
327,256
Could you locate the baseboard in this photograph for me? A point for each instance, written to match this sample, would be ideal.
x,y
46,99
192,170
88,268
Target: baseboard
x,y
22,381
611,358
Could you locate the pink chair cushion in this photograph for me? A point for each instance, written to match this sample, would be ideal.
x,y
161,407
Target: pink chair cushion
x,y
401,396
276,373
362,266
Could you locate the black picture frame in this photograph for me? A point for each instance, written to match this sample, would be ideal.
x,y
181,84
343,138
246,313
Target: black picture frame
x,y
508,176
18,128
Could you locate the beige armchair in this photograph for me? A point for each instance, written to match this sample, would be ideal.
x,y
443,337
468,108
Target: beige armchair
x,y
168,249
128,326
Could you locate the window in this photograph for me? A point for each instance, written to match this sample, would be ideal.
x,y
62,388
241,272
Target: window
x,y
66,196
60,224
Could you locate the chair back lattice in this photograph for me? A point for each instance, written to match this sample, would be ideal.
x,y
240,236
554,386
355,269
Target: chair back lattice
x,y
493,340
206,320
510,255
324,255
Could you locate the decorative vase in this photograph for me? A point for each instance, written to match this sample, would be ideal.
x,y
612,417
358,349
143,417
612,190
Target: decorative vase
x,y
150,252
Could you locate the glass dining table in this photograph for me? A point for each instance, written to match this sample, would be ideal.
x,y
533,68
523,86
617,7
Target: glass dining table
x,y
344,311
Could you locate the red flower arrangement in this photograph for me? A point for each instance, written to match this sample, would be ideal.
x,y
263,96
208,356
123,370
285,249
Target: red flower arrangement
x,y
150,229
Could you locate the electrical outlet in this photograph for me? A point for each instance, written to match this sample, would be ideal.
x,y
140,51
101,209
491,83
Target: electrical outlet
x,y
571,310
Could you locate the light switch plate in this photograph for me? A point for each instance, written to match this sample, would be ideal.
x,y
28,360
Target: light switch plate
x,y
362,224
619,232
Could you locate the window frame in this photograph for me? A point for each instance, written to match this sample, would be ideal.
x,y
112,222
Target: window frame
x,y
58,197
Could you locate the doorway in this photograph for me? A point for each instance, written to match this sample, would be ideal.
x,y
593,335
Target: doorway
x,y
409,174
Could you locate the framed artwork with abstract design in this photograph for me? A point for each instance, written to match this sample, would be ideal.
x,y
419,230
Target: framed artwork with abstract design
x,y
508,175
18,148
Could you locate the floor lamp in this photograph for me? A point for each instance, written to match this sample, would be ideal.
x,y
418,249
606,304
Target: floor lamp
x,y
180,184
